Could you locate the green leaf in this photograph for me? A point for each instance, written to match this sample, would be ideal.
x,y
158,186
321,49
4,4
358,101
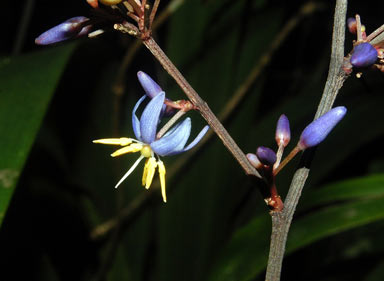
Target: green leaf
x,y
334,220
370,186
27,84
245,256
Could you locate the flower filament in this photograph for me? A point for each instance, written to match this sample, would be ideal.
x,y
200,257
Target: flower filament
x,y
132,146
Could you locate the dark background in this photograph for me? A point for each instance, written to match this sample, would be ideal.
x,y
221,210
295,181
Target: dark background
x,y
205,231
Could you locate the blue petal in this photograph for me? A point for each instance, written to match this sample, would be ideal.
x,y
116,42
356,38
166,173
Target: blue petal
x,y
135,120
319,129
150,87
197,139
150,118
71,28
173,142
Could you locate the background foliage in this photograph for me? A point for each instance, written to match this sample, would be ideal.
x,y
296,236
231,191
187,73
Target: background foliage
x,y
56,187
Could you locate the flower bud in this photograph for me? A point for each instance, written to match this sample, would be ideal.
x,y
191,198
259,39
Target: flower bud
x,y
69,29
150,87
266,155
255,162
363,55
283,132
319,129
352,25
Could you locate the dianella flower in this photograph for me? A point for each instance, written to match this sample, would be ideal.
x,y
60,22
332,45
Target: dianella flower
x,y
150,147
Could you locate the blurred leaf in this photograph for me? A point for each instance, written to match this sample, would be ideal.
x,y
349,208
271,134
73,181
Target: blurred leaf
x,y
370,186
334,220
376,274
246,254
27,84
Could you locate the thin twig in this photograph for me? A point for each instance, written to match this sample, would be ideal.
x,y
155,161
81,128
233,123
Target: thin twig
x,y
131,211
202,106
170,123
281,221
153,13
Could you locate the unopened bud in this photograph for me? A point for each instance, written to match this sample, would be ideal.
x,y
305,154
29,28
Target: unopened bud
x,y
266,155
255,162
352,25
363,55
319,129
283,132
69,29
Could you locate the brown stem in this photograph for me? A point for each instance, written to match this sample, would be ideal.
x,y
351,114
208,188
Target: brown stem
x,y
358,29
202,106
130,212
153,13
279,155
281,221
286,160
170,123
374,34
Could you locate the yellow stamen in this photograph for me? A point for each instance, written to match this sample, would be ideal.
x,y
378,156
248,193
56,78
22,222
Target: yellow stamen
x,y
133,147
162,179
145,172
152,164
119,141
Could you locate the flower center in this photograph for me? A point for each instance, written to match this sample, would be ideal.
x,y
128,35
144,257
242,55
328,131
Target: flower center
x,y
146,151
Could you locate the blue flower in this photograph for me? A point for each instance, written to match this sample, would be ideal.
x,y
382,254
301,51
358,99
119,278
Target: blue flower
x,y
151,147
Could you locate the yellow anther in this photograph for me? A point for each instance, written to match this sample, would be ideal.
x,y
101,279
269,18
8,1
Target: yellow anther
x,y
133,147
117,141
145,172
150,167
162,179
110,2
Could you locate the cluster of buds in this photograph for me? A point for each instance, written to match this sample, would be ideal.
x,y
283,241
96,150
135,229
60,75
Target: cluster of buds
x,y
116,14
367,50
267,161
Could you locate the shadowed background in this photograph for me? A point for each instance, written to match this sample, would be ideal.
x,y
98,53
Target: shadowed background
x,y
56,187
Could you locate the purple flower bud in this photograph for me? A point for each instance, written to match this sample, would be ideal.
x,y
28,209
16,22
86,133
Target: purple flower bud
x,y
69,29
283,132
266,155
255,162
352,25
319,129
363,55
151,88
